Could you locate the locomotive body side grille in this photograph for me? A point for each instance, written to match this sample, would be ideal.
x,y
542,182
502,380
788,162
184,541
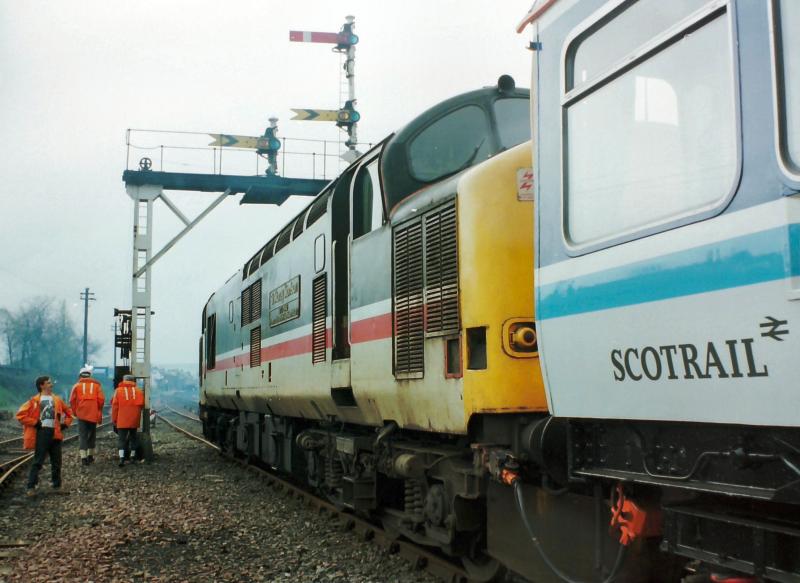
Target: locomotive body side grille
x,y
255,346
409,321
255,301
441,270
246,306
251,303
319,314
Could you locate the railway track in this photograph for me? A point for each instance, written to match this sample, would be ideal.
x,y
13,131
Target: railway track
x,y
13,457
187,416
6,443
363,529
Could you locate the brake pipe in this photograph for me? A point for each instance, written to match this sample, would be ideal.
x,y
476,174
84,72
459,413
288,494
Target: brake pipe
x,y
512,479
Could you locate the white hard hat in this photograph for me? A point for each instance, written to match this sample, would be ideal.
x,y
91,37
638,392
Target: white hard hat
x,y
87,369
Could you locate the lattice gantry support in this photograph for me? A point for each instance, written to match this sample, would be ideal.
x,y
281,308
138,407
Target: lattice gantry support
x,y
144,197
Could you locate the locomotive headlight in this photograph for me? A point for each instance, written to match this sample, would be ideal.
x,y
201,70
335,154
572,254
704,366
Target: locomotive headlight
x,y
519,338
523,338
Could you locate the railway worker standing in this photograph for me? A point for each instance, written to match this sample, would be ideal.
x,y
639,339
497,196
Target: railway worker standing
x,y
87,402
44,417
126,412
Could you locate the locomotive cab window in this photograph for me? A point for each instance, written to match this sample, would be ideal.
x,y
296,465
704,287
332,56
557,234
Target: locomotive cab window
x,y
367,200
317,209
450,144
513,121
787,62
650,124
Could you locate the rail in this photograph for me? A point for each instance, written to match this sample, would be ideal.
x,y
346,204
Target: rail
x,y
9,467
187,416
366,531
6,442
189,433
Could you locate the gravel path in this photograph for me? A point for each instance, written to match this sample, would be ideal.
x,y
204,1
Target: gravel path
x,y
208,520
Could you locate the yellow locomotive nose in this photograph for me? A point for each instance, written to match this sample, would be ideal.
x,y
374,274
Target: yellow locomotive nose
x,y
523,338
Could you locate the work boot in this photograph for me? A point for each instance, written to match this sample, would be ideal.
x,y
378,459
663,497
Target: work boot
x,y
90,459
85,461
121,462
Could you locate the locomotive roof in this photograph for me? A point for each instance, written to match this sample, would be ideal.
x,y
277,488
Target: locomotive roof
x,y
397,177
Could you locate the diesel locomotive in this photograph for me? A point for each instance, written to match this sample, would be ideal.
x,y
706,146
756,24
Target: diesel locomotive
x,y
382,346
583,373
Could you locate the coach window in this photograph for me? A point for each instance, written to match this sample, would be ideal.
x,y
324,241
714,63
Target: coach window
x,y
649,120
450,144
787,51
367,200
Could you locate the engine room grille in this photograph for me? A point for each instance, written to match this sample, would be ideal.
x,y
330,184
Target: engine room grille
x,y
251,303
319,314
409,341
441,270
255,346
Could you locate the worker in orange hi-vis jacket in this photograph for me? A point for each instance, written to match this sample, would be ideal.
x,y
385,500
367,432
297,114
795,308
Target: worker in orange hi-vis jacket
x,y
87,400
126,413
44,418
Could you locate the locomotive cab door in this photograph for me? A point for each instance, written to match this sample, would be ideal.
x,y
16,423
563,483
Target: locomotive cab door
x,y
370,278
340,261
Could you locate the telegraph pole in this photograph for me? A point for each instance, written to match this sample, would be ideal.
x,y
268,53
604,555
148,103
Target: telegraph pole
x,y
86,295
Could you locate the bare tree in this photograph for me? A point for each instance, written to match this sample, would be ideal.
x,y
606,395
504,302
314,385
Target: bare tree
x,y
39,335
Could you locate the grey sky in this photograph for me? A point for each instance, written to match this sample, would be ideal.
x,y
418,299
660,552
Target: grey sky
x,y
75,74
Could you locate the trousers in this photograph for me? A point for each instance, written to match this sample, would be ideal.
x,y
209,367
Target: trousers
x,y
46,445
87,434
127,441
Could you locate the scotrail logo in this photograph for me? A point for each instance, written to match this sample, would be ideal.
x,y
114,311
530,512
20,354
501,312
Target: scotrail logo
x,y
727,359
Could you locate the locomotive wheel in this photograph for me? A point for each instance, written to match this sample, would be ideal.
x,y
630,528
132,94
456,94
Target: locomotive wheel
x,y
483,568
479,565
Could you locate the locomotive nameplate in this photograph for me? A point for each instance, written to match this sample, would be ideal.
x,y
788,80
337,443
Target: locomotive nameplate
x,y
284,302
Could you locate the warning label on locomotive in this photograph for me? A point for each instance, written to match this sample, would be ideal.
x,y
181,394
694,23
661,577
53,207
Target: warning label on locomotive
x,y
284,302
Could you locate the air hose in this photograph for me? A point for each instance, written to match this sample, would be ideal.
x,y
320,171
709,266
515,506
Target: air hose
x,y
517,484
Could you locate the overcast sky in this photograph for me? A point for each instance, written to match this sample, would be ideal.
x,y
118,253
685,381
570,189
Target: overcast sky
x,y
74,75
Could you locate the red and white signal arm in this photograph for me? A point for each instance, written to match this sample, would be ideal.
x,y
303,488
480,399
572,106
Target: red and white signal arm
x,y
525,184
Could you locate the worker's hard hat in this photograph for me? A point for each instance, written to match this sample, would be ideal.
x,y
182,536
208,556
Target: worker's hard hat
x,y
86,370
128,377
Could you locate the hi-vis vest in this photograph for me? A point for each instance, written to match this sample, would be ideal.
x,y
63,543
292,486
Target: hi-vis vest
x,y
127,405
87,400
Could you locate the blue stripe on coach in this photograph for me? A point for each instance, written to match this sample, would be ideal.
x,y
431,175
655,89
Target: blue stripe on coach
x,y
746,260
